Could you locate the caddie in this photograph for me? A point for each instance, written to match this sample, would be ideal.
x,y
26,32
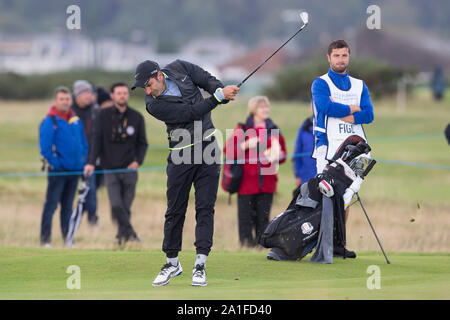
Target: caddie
x,y
341,105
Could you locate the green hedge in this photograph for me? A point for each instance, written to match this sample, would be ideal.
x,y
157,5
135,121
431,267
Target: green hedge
x,y
41,86
294,81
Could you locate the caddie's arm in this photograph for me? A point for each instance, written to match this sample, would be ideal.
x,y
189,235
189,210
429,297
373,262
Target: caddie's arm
x,y
365,114
323,102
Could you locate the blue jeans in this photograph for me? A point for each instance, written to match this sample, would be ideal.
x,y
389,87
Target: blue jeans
x,y
60,189
91,200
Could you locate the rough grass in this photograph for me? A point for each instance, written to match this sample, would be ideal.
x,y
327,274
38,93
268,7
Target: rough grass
x,y
409,206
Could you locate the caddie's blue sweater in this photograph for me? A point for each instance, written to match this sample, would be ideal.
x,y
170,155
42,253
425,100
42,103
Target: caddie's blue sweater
x,y
323,106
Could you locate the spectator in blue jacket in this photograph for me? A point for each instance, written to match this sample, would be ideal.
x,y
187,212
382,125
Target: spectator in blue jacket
x,y
64,147
304,164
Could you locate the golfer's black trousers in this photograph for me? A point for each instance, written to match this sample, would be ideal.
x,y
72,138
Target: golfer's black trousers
x,y
180,178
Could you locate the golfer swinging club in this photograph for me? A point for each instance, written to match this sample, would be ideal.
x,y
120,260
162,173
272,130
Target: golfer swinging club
x,y
341,104
173,96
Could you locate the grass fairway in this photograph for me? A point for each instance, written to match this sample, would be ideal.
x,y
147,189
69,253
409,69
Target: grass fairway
x,y
409,207
32,273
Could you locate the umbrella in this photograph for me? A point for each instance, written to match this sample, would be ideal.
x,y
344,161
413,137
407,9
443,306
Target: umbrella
x,y
75,218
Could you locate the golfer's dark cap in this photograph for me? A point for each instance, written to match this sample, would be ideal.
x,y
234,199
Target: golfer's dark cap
x,y
144,71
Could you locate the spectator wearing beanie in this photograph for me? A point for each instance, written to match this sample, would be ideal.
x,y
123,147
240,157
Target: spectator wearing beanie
x,y
83,106
103,98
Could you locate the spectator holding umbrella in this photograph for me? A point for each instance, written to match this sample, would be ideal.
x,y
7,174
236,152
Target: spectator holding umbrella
x,y
64,147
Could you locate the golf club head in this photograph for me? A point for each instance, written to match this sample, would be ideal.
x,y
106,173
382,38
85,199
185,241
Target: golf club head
x,y
304,16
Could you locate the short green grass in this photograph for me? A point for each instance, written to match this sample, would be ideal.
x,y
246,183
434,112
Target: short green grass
x,y
35,273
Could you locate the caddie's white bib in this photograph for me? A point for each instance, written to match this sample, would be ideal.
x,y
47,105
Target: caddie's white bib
x,y
336,129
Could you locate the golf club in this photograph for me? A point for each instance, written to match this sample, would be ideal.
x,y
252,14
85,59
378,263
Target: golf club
x,y
379,243
304,18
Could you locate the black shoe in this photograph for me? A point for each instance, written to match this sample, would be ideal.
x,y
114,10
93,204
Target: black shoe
x,y
341,252
93,221
121,240
135,238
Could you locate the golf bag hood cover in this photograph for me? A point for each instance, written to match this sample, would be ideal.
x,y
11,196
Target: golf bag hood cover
x,y
352,147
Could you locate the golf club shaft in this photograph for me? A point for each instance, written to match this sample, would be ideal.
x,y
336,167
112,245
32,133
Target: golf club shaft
x,y
242,82
379,243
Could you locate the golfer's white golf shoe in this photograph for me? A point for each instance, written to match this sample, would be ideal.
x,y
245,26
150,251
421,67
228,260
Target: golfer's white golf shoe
x,y
167,272
199,276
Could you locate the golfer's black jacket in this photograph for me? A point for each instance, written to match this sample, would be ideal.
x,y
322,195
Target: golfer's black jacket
x,y
118,151
181,112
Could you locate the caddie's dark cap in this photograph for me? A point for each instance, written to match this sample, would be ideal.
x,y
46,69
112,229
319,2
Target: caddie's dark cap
x,y
144,71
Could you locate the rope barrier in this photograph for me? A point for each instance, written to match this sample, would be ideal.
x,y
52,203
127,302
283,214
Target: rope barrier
x,y
159,168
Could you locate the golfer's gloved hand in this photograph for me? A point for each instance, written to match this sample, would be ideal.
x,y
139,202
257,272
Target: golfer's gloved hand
x,y
218,94
229,92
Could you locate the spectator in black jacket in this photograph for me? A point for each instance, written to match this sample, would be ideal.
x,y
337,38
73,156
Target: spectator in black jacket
x,y
173,96
120,142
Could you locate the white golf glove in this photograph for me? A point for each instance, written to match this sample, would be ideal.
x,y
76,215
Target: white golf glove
x,y
350,191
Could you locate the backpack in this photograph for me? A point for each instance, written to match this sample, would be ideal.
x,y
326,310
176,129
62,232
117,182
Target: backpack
x,y
232,172
232,177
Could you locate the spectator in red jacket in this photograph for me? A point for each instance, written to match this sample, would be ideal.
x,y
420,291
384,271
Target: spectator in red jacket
x,y
260,143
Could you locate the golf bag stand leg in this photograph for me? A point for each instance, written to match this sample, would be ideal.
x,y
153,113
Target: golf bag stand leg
x,y
368,220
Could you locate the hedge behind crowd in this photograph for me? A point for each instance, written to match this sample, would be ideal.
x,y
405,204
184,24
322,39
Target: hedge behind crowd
x,y
40,86
294,81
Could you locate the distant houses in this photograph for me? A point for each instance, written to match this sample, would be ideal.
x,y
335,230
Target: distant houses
x,y
228,60
51,53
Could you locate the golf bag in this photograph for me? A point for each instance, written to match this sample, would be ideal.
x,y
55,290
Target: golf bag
x,y
75,218
297,231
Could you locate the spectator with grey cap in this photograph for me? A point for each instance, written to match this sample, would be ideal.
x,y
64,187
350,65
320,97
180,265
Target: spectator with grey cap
x,y
173,96
84,107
